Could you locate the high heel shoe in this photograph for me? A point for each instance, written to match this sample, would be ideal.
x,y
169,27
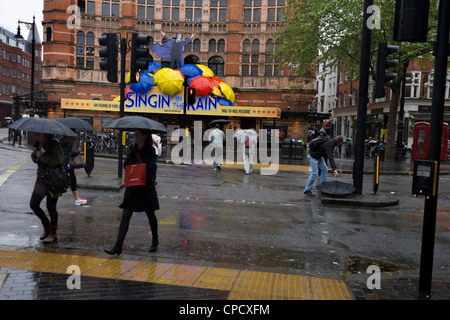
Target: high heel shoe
x,y
114,251
154,246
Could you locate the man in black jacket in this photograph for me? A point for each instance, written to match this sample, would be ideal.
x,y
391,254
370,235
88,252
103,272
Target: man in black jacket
x,y
318,158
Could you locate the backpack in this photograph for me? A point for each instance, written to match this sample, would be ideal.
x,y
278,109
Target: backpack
x,y
315,143
248,144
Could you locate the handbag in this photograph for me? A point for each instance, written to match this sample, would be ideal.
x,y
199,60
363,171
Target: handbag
x,y
135,174
56,178
77,161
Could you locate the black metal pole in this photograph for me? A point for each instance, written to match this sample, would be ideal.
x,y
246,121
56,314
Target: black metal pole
x,y
123,57
400,127
358,165
434,148
185,102
33,45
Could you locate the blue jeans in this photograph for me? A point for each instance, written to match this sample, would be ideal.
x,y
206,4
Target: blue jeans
x,y
315,164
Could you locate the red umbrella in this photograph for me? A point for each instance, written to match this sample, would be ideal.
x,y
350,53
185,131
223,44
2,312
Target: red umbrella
x,y
203,85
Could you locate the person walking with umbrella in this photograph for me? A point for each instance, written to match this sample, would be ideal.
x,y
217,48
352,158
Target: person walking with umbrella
x,y
47,152
216,138
71,148
139,198
321,150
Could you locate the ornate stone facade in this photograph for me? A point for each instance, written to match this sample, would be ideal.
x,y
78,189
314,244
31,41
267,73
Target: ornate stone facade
x,y
235,38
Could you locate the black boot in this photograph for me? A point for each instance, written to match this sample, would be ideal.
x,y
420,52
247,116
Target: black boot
x,y
123,229
155,244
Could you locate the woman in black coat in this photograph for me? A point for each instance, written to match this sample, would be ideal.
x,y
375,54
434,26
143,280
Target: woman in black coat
x,y
139,198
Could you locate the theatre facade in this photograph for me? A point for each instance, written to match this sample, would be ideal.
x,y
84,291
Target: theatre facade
x,y
235,39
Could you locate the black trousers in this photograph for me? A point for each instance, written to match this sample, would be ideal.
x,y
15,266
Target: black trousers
x,y
73,180
35,203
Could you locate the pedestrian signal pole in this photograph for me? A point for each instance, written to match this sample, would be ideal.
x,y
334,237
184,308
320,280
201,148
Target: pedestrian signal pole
x,y
358,165
434,149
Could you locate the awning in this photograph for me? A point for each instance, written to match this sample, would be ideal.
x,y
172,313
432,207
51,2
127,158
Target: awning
x,y
426,116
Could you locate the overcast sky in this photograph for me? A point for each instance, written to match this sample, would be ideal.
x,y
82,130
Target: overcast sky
x,y
13,10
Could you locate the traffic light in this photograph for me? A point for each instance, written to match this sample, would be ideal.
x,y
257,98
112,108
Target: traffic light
x,y
110,55
191,96
140,57
411,20
382,65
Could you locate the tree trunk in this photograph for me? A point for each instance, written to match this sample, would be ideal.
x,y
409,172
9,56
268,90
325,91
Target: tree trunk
x,y
392,121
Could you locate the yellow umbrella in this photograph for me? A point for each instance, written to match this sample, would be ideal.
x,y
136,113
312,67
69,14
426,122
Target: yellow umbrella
x,y
227,91
170,81
207,72
216,92
159,73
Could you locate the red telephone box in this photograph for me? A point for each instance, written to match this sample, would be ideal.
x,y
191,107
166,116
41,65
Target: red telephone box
x,y
421,137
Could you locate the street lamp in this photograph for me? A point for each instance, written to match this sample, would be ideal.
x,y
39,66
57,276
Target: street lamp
x,y
18,36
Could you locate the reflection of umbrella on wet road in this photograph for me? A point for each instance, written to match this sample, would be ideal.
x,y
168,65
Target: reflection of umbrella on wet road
x,y
136,122
336,188
76,123
43,125
219,121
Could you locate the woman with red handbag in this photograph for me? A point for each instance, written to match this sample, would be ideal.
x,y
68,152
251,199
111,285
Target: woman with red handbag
x,y
139,197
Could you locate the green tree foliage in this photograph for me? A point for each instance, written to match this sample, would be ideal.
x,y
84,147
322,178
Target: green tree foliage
x,y
318,31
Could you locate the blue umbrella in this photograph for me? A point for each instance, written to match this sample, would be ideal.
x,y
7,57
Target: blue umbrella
x,y
190,70
152,66
144,84
224,102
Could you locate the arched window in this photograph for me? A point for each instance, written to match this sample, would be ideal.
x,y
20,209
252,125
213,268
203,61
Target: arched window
x,y
80,37
212,45
49,33
246,46
196,45
221,46
191,60
90,39
217,65
255,46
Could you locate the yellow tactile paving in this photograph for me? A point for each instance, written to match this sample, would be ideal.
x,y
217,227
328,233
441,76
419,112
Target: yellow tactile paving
x,y
146,272
217,278
291,287
180,274
252,285
242,284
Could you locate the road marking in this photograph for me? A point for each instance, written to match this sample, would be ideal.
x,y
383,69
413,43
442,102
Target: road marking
x,y
10,171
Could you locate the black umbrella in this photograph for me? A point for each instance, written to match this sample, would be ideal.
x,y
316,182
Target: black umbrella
x,y
20,122
136,122
336,188
43,125
219,121
77,124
